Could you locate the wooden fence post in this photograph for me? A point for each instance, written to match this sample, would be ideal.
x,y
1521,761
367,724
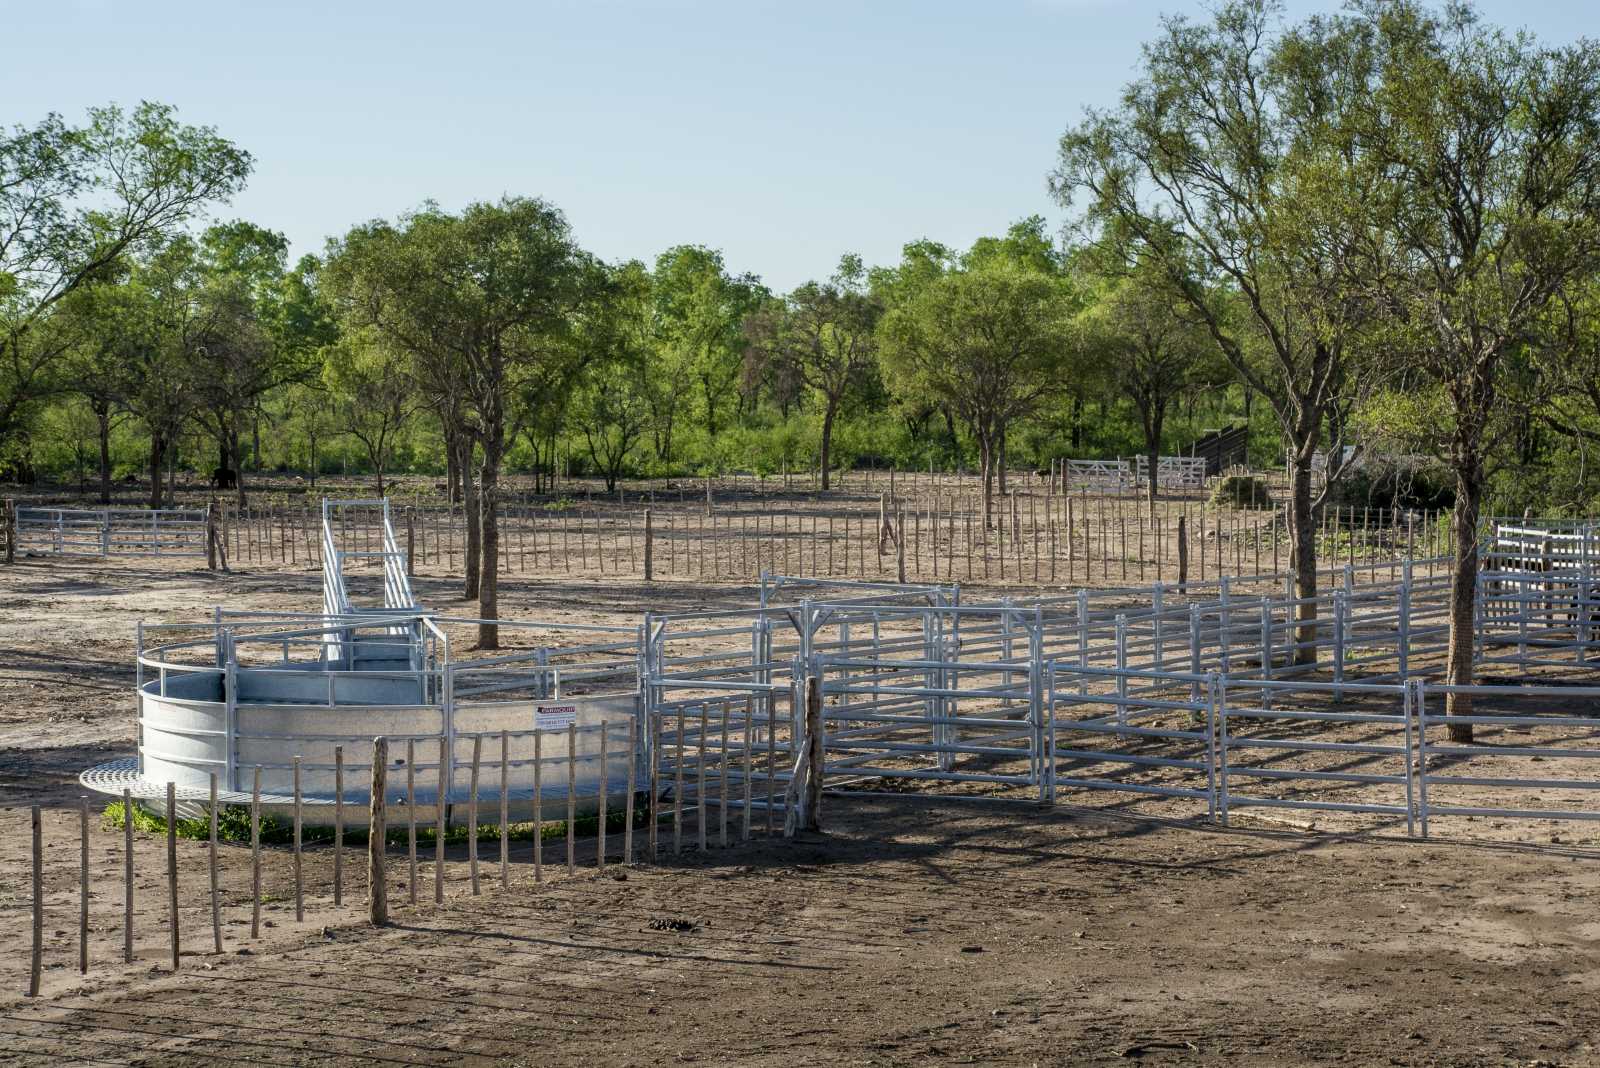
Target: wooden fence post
x,y
37,962
411,542
11,530
172,871
900,546
211,535
83,886
216,893
127,875
338,825
377,837
1183,549
814,753
649,547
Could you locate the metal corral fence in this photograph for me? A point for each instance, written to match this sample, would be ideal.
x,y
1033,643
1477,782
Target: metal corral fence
x,y
1174,472
1215,697
1230,700
111,531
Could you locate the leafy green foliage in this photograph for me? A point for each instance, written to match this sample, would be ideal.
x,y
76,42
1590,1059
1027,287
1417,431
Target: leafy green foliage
x,y
1241,491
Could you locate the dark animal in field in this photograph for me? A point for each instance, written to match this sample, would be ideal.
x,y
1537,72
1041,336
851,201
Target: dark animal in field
x,y
224,478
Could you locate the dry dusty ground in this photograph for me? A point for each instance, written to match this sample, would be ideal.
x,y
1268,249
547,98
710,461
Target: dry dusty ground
x,y
912,932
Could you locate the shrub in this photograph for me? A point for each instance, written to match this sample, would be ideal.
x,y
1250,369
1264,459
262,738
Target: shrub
x,y
1241,491
1404,482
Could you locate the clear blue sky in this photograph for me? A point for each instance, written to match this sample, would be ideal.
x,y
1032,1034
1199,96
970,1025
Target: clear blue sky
x,y
782,133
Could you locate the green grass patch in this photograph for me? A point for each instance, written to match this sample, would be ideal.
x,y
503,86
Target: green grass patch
x,y
233,825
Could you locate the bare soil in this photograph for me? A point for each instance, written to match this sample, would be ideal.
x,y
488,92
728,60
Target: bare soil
x,y
913,931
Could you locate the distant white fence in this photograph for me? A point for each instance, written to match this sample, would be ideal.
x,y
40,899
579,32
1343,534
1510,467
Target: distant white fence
x,y
112,531
1100,474
1175,472
1172,472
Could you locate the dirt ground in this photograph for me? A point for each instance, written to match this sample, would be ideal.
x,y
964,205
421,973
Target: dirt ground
x,y
912,931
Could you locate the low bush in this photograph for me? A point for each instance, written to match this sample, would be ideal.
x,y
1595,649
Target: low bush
x,y
1241,491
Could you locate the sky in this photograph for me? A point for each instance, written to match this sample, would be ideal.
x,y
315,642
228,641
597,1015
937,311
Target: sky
x,y
784,134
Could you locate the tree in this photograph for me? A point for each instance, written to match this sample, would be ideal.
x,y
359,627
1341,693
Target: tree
x,y
989,341
484,302
824,335
611,404
161,336
370,390
76,200
700,311
1152,349
1235,164
1490,146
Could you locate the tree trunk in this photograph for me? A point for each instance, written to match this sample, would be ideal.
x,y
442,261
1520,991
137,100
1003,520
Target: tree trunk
x,y
469,506
238,467
827,442
1459,664
1302,555
155,470
1001,462
489,578
1151,480
452,471
103,419
986,462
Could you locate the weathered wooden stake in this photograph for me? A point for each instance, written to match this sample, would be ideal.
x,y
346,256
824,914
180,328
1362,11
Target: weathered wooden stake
x,y
572,790
633,771
83,886
538,807
338,825
649,547
600,847
299,880
255,855
505,809
172,870
378,836
439,821
127,876
36,964
211,856
411,820
700,780
1183,549
472,814
814,753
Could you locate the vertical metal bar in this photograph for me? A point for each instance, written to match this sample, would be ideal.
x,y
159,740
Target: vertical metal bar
x,y
299,881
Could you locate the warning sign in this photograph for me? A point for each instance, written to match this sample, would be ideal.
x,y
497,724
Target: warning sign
x,y
554,717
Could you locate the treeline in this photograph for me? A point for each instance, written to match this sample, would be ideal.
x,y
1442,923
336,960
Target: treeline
x,y
1367,233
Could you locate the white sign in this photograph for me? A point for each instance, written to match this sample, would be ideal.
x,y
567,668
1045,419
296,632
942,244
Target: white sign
x,y
554,717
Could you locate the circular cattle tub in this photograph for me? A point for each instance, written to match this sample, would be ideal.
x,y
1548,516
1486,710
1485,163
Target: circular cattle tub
x,y
234,721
